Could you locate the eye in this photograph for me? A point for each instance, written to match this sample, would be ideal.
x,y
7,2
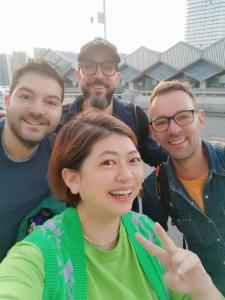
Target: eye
x,y
135,160
160,122
52,102
108,162
24,96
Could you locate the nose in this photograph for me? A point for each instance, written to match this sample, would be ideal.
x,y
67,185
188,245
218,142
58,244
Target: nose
x,y
99,72
37,107
174,128
124,173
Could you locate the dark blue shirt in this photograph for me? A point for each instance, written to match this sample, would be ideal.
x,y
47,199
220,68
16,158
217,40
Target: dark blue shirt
x,y
23,185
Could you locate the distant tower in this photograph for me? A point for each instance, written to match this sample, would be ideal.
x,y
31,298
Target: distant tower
x,y
18,58
205,22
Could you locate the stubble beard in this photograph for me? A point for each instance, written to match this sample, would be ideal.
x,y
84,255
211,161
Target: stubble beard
x,y
28,143
101,102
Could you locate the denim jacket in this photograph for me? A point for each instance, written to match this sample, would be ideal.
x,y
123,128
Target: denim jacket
x,y
203,231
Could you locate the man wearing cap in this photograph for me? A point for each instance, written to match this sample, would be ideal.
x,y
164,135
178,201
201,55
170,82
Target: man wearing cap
x,y
98,76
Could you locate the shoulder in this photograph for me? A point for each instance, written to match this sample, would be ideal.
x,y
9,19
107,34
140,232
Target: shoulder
x,y
47,208
216,155
70,109
49,231
137,222
47,143
119,104
25,262
150,182
2,122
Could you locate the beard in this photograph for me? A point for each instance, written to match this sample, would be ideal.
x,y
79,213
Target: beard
x,y
28,141
101,102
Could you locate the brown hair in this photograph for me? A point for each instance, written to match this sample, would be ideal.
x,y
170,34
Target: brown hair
x,y
38,66
74,143
164,87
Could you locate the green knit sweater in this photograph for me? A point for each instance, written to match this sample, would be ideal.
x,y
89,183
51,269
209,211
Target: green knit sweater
x,y
61,243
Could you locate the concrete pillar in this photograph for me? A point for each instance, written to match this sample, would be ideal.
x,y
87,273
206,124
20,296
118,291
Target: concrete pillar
x,y
131,85
203,84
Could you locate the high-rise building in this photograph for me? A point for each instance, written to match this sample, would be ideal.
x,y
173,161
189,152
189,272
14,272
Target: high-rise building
x,y
18,58
205,22
5,69
8,64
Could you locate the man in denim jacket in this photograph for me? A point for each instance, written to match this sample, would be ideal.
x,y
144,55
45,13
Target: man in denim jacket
x,y
196,176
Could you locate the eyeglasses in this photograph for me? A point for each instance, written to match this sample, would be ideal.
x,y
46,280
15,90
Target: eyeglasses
x,y
181,118
90,68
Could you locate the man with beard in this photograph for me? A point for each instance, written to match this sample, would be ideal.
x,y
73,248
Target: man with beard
x,y
196,177
33,107
98,76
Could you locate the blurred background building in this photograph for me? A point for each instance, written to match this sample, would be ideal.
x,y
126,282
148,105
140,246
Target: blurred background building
x,y
205,22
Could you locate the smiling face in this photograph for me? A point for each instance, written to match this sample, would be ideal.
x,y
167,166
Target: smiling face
x,y
109,178
34,108
181,142
98,89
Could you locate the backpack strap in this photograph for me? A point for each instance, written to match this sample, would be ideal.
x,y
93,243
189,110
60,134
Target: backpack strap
x,y
141,124
162,189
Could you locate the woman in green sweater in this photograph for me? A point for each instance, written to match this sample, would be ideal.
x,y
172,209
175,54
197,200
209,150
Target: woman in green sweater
x,y
93,249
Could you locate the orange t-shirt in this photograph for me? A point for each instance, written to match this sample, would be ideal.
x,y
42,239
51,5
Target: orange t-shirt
x,y
195,188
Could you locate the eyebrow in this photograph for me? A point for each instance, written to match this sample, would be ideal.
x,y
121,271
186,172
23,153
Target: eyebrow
x,y
181,110
115,153
25,89
32,92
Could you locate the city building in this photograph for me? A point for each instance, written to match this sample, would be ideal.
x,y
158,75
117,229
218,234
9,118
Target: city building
x,y
142,69
8,63
18,58
5,69
205,22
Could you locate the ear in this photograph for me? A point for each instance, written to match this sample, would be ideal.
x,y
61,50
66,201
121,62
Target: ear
x,y
71,179
78,74
152,132
118,77
201,118
7,101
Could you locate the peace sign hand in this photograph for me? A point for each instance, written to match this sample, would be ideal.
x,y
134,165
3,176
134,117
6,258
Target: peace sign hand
x,y
184,271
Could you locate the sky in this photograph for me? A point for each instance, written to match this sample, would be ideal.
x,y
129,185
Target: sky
x,y
65,24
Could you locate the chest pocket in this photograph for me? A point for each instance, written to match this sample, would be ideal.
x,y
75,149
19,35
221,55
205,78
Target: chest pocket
x,y
190,228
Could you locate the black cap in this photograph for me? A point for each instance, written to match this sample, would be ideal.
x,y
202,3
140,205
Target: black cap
x,y
98,43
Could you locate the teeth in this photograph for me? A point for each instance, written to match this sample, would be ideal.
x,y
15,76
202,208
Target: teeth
x,y
177,141
122,192
98,86
33,123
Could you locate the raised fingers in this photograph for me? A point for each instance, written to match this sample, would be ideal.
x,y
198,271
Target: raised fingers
x,y
150,247
168,243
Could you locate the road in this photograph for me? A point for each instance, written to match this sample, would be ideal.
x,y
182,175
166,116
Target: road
x,y
214,130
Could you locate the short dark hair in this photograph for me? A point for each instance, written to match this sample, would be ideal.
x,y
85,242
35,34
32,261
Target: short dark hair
x,y
74,143
39,66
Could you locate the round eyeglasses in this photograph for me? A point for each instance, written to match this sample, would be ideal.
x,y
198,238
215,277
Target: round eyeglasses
x,y
181,118
90,68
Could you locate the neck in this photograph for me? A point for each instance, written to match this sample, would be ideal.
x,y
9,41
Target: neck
x,y
14,148
192,167
108,109
102,231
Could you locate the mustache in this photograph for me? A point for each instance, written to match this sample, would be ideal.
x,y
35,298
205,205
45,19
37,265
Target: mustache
x,y
34,117
98,82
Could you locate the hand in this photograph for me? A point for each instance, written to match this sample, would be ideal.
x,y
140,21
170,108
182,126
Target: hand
x,y
184,271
